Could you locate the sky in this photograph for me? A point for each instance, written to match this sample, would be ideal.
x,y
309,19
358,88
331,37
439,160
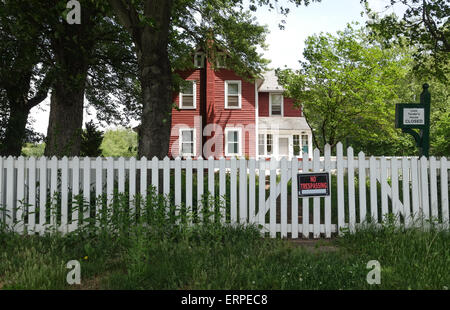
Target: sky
x,y
285,47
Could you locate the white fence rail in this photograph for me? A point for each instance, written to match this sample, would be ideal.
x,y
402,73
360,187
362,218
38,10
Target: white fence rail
x,y
254,191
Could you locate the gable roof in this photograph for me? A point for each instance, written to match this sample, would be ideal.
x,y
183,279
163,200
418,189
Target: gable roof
x,y
270,83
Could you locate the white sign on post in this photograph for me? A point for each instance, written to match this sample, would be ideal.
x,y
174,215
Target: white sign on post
x,y
413,116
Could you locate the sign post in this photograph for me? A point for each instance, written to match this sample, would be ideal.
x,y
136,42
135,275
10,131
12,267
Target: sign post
x,y
410,116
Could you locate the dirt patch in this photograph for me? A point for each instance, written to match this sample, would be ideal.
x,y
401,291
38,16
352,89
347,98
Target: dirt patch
x,y
315,246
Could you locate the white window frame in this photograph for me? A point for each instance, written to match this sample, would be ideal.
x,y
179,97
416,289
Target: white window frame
x,y
270,104
180,142
239,82
239,130
199,66
194,91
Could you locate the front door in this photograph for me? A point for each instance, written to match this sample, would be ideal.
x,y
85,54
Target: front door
x,y
283,146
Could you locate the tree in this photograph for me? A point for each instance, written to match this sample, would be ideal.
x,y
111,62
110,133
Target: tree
x,y
160,28
91,140
425,26
120,142
347,88
24,78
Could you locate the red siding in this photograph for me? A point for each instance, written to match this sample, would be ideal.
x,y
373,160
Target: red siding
x,y
217,114
187,118
289,110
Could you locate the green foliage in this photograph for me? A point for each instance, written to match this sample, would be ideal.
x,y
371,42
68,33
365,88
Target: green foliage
x,y
425,26
347,87
91,140
119,142
33,149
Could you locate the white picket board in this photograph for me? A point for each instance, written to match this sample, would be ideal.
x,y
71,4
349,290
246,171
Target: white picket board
x,y
283,198
64,194
177,186
305,201
424,188
327,166
294,199
351,190
2,193
31,194
340,187
75,193
166,176
21,203
200,167
242,191
433,190
251,189
98,186
86,187
316,200
273,201
362,187
143,182
155,174
383,182
42,193
262,193
222,188
415,189
233,190
121,175
53,189
211,179
394,189
132,186
188,189
373,189
405,189
109,183
10,187
444,193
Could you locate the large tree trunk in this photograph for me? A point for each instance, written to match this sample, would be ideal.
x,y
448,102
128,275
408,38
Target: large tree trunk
x,y
15,130
72,49
156,82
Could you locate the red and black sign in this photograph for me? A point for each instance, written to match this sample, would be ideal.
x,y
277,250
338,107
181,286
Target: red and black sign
x,y
313,184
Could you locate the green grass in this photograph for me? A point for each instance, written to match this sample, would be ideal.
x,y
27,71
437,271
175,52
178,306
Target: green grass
x,y
148,250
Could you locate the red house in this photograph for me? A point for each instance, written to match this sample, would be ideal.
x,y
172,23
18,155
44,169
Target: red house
x,y
222,114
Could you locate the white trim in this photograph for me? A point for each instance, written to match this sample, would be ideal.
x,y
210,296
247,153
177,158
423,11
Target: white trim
x,y
195,60
194,92
239,82
180,141
270,104
239,130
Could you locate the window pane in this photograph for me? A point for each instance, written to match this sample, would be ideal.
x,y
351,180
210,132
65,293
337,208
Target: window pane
x,y
187,148
187,136
233,89
233,136
261,144
188,101
296,140
269,144
233,147
305,143
276,104
233,101
188,89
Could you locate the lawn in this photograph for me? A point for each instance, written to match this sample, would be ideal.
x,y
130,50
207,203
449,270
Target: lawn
x,y
156,253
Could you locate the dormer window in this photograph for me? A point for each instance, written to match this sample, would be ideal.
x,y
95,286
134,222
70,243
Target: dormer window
x,y
221,60
199,60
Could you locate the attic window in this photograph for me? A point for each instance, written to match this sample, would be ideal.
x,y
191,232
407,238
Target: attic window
x,y
199,60
221,60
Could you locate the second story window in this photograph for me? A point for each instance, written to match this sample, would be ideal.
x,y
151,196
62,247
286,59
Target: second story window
x,y
233,97
199,60
188,96
276,104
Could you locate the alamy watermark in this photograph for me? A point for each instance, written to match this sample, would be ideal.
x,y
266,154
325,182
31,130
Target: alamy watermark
x,y
74,14
74,275
374,275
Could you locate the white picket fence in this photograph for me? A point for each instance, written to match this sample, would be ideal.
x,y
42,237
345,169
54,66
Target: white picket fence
x,y
255,191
